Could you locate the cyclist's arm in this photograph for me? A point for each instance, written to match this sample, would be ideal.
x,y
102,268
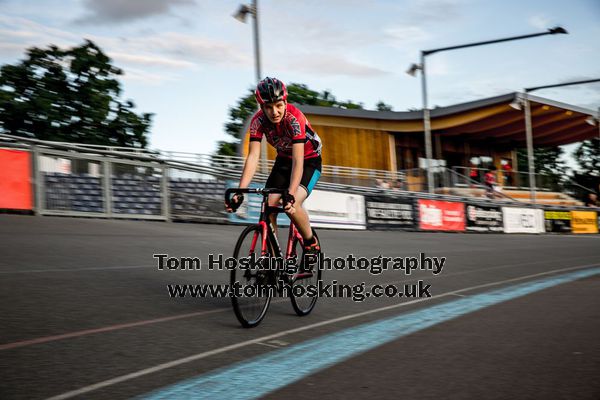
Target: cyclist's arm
x,y
250,164
297,167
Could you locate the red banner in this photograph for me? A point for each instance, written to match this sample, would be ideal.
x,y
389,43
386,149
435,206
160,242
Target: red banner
x,y
15,180
441,215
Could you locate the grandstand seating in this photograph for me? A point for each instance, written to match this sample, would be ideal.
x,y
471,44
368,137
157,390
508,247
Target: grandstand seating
x,y
81,193
132,194
136,194
196,197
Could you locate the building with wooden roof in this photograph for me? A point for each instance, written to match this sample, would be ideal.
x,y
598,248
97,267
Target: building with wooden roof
x,y
491,128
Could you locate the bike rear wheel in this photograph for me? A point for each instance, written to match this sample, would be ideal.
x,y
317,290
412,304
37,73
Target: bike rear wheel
x,y
251,307
303,292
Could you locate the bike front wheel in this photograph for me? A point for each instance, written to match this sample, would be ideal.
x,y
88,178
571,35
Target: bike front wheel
x,y
251,306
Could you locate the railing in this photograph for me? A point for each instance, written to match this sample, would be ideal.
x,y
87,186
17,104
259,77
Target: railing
x,y
329,173
512,179
158,172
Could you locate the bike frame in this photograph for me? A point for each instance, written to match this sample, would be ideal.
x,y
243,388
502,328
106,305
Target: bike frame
x,y
267,232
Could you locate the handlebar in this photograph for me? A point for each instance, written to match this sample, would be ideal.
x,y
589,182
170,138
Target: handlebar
x,y
262,191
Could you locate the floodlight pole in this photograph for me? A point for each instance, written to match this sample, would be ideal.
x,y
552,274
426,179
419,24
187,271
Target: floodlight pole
x,y
529,128
426,126
252,9
529,141
256,41
426,111
263,142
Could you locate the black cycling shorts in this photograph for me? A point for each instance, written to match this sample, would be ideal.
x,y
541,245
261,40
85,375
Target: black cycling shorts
x,y
281,173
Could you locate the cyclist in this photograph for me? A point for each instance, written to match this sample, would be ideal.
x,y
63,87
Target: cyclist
x,y
298,162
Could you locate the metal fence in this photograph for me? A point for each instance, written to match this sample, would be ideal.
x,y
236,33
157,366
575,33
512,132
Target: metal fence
x,y
80,184
112,182
518,180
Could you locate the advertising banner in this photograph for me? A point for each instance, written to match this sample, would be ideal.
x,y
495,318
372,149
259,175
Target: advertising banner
x,y
15,180
523,220
336,210
325,209
441,215
557,221
390,213
584,221
484,218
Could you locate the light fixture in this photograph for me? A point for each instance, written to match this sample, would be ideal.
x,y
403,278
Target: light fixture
x,y
590,120
412,70
517,104
557,29
242,13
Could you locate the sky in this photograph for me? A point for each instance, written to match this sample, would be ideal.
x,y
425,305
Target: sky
x,y
189,61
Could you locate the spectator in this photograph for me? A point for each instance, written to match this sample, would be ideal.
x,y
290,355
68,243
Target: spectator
x,y
507,169
382,183
592,200
490,182
398,185
473,174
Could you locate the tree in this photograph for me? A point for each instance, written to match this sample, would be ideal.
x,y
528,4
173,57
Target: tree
x,y
588,159
246,107
238,115
69,96
381,106
548,164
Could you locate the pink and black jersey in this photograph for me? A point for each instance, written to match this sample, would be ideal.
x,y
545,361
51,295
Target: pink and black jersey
x,y
293,128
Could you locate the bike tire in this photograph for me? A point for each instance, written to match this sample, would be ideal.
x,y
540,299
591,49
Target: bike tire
x,y
303,305
251,310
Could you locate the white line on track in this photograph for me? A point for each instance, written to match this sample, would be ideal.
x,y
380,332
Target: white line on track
x,y
199,356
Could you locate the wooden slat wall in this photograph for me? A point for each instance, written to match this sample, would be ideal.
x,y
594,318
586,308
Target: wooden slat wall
x,y
348,147
352,147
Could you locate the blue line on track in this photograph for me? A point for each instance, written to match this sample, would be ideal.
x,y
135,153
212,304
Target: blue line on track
x,y
256,377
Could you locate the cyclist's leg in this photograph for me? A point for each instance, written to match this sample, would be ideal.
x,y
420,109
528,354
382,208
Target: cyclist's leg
x,y
310,176
300,217
278,179
274,202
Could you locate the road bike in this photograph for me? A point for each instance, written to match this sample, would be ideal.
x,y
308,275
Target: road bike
x,y
273,274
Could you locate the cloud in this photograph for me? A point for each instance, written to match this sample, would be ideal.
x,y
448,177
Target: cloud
x,y
148,78
315,31
168,50
438,66
540,22
475,89
151,61
412,28
9,47
18,34
22,30
427,11
196,48
405,35
323,34
334,66
119,11
173,50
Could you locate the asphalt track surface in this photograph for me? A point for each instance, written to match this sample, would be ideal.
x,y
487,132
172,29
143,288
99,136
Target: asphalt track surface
x,y
85,313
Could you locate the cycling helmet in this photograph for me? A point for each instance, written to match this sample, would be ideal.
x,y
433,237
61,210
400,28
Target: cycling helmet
x,y
270,90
